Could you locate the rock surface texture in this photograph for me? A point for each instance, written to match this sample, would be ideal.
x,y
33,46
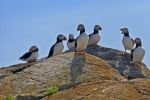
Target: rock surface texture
x,y
78,77
120,62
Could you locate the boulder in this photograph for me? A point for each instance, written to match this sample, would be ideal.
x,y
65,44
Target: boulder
x,y
64,71
100,74
120,62
101,90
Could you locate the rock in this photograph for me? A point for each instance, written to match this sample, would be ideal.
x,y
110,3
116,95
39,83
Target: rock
x,y
63,71
101,90
6,71
28,97
142,85
78,77
2,97
136,89
120,62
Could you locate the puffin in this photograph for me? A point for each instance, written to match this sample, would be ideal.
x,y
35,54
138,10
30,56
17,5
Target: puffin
x,y
71,42
138,52
94,37
58,47
127,41
82,40
31,55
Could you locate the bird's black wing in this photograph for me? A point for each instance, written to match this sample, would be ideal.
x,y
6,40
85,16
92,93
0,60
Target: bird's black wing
x,y
132,54
132,41
26,55
90,34
51,52
76,42
132,50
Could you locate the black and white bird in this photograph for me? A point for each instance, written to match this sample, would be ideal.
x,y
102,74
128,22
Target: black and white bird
x,y
95,37
31,55
58,47
138,52
127,41
71,42
82,40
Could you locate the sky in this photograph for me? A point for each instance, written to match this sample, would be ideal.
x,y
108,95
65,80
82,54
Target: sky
x,y
24,23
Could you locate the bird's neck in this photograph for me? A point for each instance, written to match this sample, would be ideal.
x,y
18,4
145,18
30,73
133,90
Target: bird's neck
x,y
58,40
35,50
95,32
138,45
71,40
126,34
82,31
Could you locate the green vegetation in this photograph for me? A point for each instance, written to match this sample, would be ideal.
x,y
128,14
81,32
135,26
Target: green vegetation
x,y
51,90
9,97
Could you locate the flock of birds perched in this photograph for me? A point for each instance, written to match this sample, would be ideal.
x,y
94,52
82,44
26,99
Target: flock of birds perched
x,y
83,40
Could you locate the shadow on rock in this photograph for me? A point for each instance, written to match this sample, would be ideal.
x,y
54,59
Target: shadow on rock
x,y
76,70
77,64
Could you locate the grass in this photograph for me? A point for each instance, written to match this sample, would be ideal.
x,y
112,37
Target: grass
x,y
9,97
51,90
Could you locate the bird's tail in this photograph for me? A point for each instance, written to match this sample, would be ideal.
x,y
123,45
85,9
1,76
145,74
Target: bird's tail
x,y
20,58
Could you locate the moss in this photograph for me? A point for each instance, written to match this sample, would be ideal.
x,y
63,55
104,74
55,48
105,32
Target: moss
x,y
51,90
10,97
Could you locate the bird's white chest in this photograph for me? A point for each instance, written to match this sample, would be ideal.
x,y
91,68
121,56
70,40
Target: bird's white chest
x,y
82,42
94,39
127,43
33,56
71,45
58,48
138,54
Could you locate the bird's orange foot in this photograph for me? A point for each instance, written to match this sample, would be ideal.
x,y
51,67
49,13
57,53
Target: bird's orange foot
x,y
81,52
141,64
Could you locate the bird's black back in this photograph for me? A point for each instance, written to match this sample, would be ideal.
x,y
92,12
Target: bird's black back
x,y
137,45
95,32
132,40
71,40
132,54
26,55
76,43
51,51
90,34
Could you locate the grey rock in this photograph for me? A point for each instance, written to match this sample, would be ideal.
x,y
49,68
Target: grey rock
x,y
119,62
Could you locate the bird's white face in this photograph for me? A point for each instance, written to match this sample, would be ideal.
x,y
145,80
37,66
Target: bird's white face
x,y
97,27
124,30
80,27
61,37
71,36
